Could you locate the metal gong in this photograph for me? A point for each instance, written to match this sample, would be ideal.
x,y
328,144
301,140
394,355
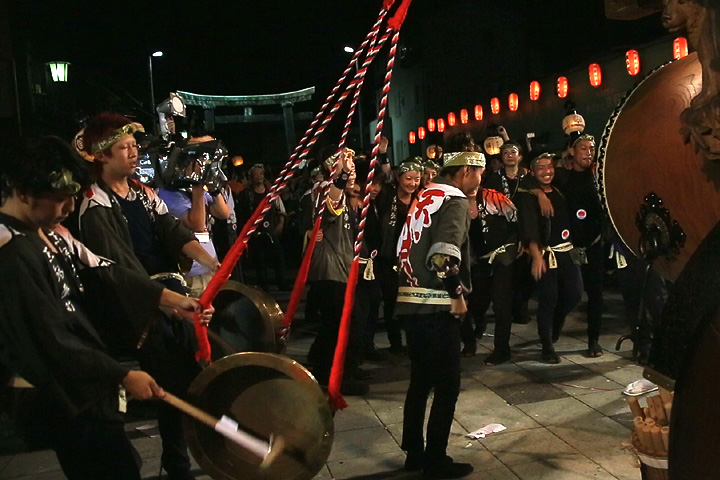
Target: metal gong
x,y
643,156
266,394
247,318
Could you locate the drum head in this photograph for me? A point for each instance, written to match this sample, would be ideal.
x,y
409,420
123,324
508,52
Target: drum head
x,y
266,394
643,150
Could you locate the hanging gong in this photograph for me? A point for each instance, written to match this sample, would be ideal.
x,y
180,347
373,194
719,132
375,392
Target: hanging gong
x,y
267,395
247,318
643,152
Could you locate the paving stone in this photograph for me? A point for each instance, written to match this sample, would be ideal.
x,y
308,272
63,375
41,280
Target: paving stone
x,y
390,464
54,475
538,444
502,473
569,467
504,374
625,375
362,443
31,464
558,412
593,436
528,392
607,403
358,415
623,465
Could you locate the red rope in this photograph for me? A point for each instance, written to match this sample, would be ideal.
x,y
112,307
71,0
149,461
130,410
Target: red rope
x,y
223,274
336,374
397,20
302,276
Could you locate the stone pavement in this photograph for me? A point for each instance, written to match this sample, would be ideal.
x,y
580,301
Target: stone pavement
x,y
564,422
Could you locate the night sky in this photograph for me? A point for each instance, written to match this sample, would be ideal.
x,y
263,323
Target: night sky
x,y
243,47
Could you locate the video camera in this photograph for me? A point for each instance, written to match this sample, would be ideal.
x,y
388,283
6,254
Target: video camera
x,y
164,161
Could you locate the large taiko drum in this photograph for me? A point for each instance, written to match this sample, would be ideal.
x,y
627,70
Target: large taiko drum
x,y
643,151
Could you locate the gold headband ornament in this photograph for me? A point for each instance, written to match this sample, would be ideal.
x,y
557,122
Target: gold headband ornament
x,y
63,182
463,159
116,135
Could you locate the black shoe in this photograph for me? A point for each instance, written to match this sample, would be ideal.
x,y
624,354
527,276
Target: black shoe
x,y
497,357
354,388
469,351
413,462
400,350
522,319
447,469
549,356
361,374
375,355
594,349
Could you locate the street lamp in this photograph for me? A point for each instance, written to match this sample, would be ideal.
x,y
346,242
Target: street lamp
x,y
348,49
59,71
152,86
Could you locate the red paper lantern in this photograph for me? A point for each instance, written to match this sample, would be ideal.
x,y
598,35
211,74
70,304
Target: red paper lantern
x,y
421,133
478,112
441,125
411,137
451,119
495,105
632,60
680,48
513,102
534,90
562,87
595,75
464,116
431,124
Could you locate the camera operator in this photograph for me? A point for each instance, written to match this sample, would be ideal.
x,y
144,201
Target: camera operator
x,y
195,209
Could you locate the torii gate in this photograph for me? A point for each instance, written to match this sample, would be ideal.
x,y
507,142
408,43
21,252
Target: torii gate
x,y
285,100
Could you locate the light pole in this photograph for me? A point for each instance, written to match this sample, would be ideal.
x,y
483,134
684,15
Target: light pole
x,y
152,86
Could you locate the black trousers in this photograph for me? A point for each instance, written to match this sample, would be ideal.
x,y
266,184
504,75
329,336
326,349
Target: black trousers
x,y
434,350
389,284
523,287
264,250
593,273
365,311
168,356
559,292
90,446
322,351
491,283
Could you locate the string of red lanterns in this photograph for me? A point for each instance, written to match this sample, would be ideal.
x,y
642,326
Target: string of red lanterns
x,y
633,65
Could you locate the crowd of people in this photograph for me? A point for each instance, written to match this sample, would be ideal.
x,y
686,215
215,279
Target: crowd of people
x,y
84,289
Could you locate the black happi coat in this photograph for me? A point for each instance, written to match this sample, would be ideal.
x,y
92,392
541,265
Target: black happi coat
x,y
47,302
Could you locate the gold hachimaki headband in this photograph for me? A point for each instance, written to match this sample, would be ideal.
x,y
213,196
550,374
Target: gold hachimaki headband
x,y
409,167
63,182
116,135
463,159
